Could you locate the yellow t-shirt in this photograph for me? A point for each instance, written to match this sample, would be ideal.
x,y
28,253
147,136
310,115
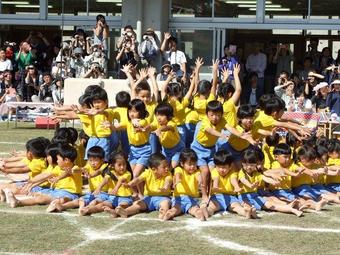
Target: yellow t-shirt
x,y
200,105
205,138
86,124
153,185
49,169
188,184
306,179
72,184
179,110
255,177
224,182
286,182
150,107
36,166
269,158
136,138
262,121
333,162
168,139
191,116
121,114
229,112
96,181
25,161
236,142
122,191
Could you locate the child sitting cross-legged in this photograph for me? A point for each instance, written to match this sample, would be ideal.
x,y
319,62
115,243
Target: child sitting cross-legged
x,y
225,187
186,183
157,188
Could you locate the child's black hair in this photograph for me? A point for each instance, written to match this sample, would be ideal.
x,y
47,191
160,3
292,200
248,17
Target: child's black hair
x,y
67,151
274,105
322,141
259,154
291,140
73,135
65,135
139,106
174,89
299,92
224,90
96,152
273,140
37,146
222,158
85,100
334,145
165,109
99,94
204,87
320,151
282,149
142,86
123,99
188,155
214,106
52,150
84,136
250,156
156,159
245,111
264,100
306,151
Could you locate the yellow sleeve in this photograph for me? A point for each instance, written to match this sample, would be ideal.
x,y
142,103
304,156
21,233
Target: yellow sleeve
x,y
178,170
126,176
241,175
145,174
214,174
211,98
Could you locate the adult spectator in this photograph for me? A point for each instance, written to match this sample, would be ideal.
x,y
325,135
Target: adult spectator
x,y
313,53
6,81
333,100
176,57
80,40
312,80
301,103
228,61
77,63
5,64
148,48
128,34
286,92
127,55
307,67
326,58
46,89
10,95
95,71
283,58
59,69
251,93
319,100
165,72
39,45
101,33
31,87
270,72
58,93
257,62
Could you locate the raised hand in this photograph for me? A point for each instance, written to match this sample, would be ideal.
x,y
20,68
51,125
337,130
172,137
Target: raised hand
x,y
199,63
167,35
151,71
215,65
237,69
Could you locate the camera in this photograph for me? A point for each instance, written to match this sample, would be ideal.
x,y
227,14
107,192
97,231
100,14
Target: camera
x,y
12,44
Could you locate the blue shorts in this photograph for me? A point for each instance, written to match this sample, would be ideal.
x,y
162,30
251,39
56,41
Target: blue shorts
x,y
154,143
205,154
236,154
224,200
104,142
306,191
116,200
253,199
140,155
89,197
190,131
172,154
182,132
122,136
60,193
334,186
185,202
286,193
263,193
320,189
42,190
220,141
153,202
114,142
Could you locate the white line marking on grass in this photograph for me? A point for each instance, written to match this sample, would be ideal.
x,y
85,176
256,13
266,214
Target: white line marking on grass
x,y
235,246
4,153
16,253
12,143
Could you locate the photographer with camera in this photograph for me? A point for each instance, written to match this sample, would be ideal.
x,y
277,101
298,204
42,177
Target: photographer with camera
x,y
95,71
77,63
128,34
101,33
80,40
127,55
283,58
148,48
98,56
8,94
45,89
5,64
31,86
176,57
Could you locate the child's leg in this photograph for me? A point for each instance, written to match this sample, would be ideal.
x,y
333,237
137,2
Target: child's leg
x,y
135,208
164,206
138,168
197,213
205,173
37,200
173,212
270,205
2,196
240,210
11,186
53,205
213,207
308,203
331,197
90,209
68,205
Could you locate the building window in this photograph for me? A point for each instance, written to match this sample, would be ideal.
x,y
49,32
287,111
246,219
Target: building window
x,y
20,7
235,8
287,9
200,8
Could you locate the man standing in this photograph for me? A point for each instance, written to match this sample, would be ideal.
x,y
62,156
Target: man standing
x,y
257,62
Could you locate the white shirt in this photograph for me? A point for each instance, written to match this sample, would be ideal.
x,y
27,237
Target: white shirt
x,y
257,63
175,57
5,65
252,98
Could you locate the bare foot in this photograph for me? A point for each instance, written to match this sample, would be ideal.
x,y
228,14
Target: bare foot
x,y
161,214
83,211
11,199
320,204
52,206
200,215
121,212
248,212
297,212
169,215
2,196
253,213
111,211
295,203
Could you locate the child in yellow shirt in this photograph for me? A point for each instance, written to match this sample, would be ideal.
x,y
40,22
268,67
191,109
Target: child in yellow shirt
x,y
186,182
334,160
157,189
167,131
225,187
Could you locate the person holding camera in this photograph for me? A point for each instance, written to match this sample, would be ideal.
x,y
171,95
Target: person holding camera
x,y
176,57
95,71
101,33
45,90
77,63
98,56
31,87
5,64
127,55
148,48
283,58
80,40
128,34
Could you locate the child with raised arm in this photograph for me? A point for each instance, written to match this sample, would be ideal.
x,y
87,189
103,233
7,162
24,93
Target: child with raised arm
x,y
251,179
167,131
225,187
138,132
34,163
157,189
187,180
66,186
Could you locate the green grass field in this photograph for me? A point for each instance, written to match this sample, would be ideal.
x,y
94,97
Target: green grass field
x,y
31,230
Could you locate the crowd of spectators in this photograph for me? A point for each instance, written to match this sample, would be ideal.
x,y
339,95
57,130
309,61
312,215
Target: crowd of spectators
x,y
35,69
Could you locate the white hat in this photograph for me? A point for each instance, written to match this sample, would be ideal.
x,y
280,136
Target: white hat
x,y
335,82
320,85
